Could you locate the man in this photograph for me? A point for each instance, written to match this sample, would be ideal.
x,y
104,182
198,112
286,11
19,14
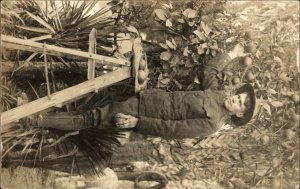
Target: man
x,y
180,114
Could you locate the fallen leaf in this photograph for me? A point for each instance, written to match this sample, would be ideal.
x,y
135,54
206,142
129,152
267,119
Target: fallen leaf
x,y
170,44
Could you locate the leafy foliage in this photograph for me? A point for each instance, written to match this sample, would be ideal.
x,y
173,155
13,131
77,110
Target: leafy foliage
x,y
264,153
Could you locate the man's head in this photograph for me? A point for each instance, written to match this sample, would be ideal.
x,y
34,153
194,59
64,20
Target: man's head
x,y
238,104
241,105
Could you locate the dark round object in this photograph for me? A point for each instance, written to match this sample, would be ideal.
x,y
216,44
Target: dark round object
x,y
151,176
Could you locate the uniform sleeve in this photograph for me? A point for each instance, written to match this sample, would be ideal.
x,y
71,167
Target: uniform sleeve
x,y
212,69
176,129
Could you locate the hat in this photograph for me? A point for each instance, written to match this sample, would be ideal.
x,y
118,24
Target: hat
x,y
239,121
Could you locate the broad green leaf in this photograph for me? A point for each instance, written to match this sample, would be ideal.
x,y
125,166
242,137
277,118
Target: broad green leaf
x,y
267,107
199,34
214,46
180,20
166,55
286,93
169,23
200,50
160,14
132,29
41,21
205,28
213,52
163,45
276,104
175,60
271,91
164,82
177,84
167,6
191,23
196,80
277,59
174,42
189,13
186,51
204,45
284,77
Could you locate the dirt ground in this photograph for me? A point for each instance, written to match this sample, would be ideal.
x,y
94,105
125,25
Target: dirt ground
x,y
36,178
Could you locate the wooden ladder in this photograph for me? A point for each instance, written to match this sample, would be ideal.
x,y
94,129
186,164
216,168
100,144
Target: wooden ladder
x,y
125,70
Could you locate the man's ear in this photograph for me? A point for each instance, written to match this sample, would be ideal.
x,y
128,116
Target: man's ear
x,y
239,115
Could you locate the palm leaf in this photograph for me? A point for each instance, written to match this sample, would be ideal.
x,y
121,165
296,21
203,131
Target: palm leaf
x,y
34,29
41,21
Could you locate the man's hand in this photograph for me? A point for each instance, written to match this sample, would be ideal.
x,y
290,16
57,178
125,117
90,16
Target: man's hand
x,y
125,121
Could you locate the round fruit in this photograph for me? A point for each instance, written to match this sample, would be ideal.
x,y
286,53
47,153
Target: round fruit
x,y
275,162
249,76
143,64
249,35
142,76
236,80
248,61
275,183
250,48
229,74
289,134
295,98
265,139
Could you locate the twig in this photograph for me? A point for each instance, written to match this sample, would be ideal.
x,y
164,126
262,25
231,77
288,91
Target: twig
x,y
27,151
52,76
280,128
63,138
33,89
46,73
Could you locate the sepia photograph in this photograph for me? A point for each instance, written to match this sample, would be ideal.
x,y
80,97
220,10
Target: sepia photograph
x,y
149,94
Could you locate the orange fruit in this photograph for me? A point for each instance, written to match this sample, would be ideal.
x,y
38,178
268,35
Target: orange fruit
x,y
143,64
265,139
289,134
275,162
295,98
248,61
236,80
275,183
142,76
250,48
249,76
249,35
229,74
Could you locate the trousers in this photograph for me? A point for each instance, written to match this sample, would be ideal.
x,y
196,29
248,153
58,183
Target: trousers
x,y
96,117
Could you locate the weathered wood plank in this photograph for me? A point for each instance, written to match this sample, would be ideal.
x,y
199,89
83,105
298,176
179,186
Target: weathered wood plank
x,y
22,44
65,95
92,49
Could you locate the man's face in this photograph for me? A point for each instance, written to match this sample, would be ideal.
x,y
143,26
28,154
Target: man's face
x,y
236,104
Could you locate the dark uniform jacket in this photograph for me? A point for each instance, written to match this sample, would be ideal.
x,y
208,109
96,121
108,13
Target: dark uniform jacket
x,y
185,114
